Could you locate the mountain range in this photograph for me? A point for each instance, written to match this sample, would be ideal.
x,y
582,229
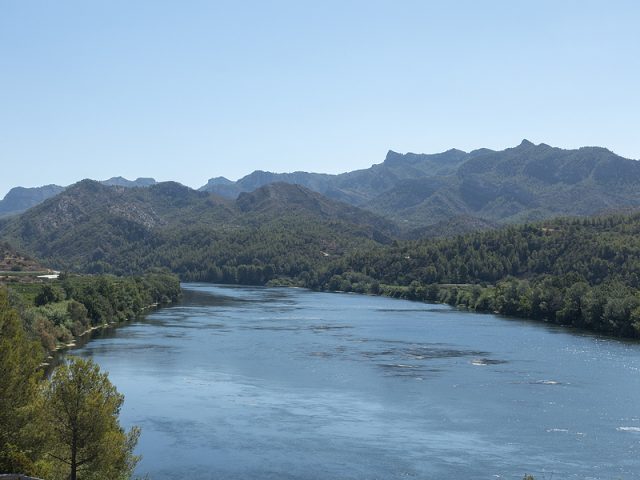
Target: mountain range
x,y
367,231
444,193
460,191
95,227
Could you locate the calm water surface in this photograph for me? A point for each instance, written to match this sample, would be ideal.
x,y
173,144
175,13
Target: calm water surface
x,y
260,383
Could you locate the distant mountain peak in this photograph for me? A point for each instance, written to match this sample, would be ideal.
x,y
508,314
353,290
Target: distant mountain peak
x,y
526,144
451,155
21,190
123,182
219,181
392,155
455,150
20,199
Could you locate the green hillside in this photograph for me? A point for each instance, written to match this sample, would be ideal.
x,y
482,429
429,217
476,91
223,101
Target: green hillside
x,y
277,230
583,272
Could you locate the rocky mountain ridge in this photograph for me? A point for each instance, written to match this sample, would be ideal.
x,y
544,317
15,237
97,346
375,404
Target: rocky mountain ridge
x,y
452,191
482,187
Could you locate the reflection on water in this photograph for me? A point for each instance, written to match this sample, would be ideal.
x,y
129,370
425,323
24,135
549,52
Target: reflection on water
x,y
245,383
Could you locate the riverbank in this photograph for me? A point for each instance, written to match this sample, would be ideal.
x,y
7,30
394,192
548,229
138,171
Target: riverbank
x,y
601,310
59,312
86,336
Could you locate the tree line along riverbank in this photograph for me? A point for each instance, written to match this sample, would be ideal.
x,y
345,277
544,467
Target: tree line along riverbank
x,y
66,425
55,312
578,272
582,272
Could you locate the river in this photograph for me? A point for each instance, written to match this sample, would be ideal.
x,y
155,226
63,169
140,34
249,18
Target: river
x,y
278,383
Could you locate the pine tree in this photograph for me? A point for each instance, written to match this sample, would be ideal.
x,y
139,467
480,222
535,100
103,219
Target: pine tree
x,y
81,416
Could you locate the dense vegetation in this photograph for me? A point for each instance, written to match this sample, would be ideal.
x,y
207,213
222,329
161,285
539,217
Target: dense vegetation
x,y
97,229
579,272
66,426
582,272
61,427
56,311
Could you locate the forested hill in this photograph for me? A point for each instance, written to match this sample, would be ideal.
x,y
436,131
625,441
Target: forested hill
x,y
95,228
458,191
580,272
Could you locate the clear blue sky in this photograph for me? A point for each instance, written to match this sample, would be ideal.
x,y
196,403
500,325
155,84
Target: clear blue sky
x,y
187,90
